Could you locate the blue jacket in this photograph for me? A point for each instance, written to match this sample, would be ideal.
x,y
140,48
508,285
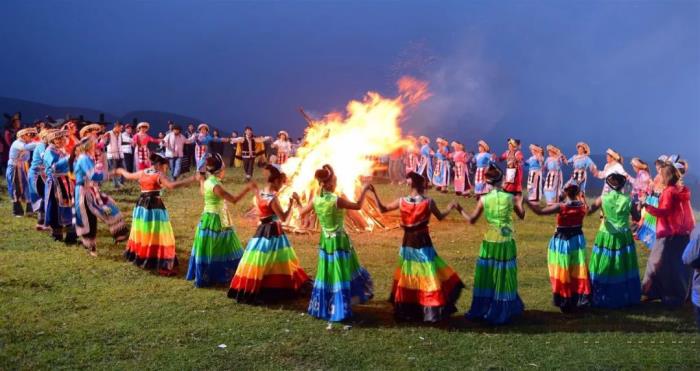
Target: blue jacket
x,y
691,257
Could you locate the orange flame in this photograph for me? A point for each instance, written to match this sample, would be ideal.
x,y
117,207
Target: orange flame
x,y
351,142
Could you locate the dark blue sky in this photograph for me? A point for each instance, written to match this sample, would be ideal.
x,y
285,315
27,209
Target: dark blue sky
x,y
615,73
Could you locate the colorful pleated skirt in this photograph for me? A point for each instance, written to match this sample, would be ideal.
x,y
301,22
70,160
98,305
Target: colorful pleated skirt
x,y
614,270
151,242
216,252
36,190
646,233
496,298
425,288
340,279
269,269
568,273
90,205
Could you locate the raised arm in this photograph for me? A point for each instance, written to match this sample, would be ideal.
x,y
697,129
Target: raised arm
x,y
440,215
221,192
127,175
596,205
394,205
306,208
548,210
172,185
277,208
474,216
344,203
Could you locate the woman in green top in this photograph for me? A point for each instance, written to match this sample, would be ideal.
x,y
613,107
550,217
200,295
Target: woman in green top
x,y
340,279
613,267
216,250
495,297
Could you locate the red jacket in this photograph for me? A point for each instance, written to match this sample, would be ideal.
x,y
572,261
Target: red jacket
x,y
674,214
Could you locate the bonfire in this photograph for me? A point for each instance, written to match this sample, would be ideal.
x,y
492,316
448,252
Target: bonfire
x,y
351,142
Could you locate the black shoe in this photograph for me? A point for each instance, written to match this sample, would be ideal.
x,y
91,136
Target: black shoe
x,y
17,209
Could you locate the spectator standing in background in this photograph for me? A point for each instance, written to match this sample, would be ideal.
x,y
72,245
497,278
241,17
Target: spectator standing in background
x,y
115,155
127,147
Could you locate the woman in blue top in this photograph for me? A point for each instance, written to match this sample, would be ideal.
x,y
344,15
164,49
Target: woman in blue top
x,y
534,177
36,177
16,173
90,203
483,159
582,163
59,188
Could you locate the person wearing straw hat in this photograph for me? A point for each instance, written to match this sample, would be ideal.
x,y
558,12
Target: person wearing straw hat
x,y
612,166
202,145
581,163
641,187
425,167
283,147
59,189
441,169
613,266
37,178
141,141
90,203
71,127
495,295
17,167
535,164
666,278
483,159
554,179
461,171
513,177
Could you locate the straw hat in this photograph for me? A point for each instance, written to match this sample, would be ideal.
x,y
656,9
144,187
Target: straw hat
x,y
616,156
26,131
456,144
553,148
514,142
56,134
44,132
536,148
485,145
202,126
282,132
143,124
423,138
441,140
585,147
639,164
89,128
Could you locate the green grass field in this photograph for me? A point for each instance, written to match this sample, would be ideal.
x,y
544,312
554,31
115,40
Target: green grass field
x,y
61,308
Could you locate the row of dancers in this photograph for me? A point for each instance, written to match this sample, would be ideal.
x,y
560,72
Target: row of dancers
x,y
425,287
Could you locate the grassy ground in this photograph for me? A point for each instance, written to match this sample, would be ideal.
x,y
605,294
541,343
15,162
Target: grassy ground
x,y
59,308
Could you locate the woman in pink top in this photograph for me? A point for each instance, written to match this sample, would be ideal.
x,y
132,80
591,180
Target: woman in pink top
x,y
141,140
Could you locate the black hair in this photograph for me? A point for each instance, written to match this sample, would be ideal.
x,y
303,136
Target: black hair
x,y
616,181
214,163
157,159
324,174
417,181
275,174
572,191
493,174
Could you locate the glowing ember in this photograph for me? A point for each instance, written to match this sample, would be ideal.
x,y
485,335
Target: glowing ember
x,y
350,143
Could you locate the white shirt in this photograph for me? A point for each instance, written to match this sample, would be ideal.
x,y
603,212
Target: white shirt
x,y
126,143
174,144
114,147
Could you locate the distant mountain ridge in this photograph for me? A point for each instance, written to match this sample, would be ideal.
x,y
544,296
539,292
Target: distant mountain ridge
x,y
32,111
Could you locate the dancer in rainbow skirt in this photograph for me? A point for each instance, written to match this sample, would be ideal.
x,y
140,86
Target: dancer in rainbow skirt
x,y
151,242
340,279
216,250
425,288
269,269
566,256
496,298
613,266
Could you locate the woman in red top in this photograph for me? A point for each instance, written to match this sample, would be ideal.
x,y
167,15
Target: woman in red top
x,y
151,240
666,277
566,257
425,287
141,141
269,269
